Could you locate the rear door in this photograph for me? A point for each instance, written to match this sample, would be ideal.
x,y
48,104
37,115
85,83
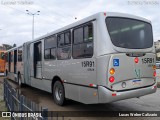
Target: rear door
x,y
38,60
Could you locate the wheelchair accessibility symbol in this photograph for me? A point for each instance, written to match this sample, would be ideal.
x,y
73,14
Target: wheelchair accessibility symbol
x,y
115,62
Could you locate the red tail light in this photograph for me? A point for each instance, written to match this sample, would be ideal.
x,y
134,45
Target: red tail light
x,y
114,94
154,74
136,60
111,79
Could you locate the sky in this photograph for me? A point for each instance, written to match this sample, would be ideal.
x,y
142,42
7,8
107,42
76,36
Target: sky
x,y
16,24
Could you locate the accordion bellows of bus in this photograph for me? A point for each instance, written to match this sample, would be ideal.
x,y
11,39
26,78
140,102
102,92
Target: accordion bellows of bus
x,y
103,58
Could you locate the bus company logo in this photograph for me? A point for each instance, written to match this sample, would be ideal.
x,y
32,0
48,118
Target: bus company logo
x,y
6,114
115,62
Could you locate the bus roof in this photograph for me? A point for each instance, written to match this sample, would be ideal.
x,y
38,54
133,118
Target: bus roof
x,y
90,18
87,19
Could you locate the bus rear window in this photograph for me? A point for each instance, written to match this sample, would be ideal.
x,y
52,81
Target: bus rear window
x,y
129,33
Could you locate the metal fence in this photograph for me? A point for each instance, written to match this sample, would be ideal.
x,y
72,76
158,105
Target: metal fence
x,y
19,105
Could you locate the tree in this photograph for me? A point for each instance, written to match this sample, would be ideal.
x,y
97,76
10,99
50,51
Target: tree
x,y
14,45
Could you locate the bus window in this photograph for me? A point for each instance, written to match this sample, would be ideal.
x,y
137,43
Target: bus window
x,y
60,39
47,54
67,38
64,53
50,42
129,33
78,35
20,54
53,53
50,47
83,44
88,32
64,46
12,57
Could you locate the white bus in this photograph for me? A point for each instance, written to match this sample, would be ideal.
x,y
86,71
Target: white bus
x,y
103,58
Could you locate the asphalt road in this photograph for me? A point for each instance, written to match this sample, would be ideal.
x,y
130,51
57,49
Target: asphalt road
x,y
146,103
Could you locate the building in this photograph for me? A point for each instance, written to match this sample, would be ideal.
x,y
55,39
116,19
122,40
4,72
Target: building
x,y
157,47
5,47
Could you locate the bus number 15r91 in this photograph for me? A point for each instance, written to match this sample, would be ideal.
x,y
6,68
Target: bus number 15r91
x,y
88,64
147,60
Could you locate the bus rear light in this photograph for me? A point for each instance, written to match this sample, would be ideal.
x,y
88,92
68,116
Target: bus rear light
x,y
154,87
111,79
154,74
112,71
136,60
105,14
92,85
114,94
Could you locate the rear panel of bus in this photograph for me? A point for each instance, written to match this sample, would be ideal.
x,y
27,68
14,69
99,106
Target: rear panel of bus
x,y
130,66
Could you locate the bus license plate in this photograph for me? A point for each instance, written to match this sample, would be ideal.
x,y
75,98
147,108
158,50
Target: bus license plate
x,y
136,82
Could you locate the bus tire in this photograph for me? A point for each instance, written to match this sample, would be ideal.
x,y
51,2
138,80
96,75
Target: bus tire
x,y
19,80
59,93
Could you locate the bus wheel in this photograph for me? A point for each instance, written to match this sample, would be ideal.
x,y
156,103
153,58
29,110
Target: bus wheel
x,y
58,93
19,80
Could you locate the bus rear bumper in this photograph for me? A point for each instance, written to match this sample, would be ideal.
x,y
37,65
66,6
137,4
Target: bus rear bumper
x,y
107,96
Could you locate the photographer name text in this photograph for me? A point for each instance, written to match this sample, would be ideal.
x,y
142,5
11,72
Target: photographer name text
x,y
17,2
